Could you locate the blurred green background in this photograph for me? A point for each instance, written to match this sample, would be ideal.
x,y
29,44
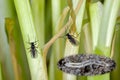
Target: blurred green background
x,y
96,22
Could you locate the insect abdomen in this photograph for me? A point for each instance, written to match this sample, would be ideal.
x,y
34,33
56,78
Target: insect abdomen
x,y
33,50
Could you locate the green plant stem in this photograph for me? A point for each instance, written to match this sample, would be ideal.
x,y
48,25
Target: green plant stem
x,y
95,10
116,51
38,7
37,65
0,72
58,47
108,22
76,10
106,29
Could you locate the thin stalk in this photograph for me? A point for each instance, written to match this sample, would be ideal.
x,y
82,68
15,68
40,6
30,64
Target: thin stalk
x,y
37,65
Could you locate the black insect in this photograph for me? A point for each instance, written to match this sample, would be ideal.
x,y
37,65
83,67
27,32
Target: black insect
x,y
86,64
72,39
33,49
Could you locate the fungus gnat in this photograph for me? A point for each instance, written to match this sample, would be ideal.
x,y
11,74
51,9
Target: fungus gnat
x,y
86,64
33,49
72,39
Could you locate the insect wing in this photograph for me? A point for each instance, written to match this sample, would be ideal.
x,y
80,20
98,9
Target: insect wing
x,y
34,53
72,39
